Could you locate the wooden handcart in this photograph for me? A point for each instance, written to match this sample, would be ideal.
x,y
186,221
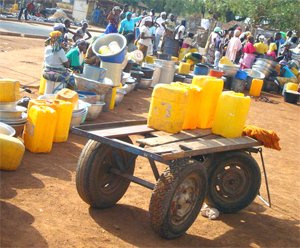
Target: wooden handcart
x,y
201,166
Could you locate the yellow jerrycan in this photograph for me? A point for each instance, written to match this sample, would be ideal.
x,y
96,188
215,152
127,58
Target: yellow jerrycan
x,y
184,68
291,86
11,152
64,112
211,90
9,90
168,108
39,129
256,87
231,114
192,108
68,95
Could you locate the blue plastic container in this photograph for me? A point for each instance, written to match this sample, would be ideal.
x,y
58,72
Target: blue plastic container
x,y
94,72
201,69
242,75
105,40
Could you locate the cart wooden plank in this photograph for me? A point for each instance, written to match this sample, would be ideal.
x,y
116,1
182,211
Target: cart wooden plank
x,y
196,147
165,138
122,131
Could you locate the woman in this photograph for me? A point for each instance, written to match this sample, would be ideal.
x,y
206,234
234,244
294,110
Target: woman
x,y
234,46
272,51
179,32
113,19
76,55
145,39
213,39
81,32
249,53
56,62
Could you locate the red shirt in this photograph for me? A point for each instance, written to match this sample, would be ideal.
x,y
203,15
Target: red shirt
x,y
249,48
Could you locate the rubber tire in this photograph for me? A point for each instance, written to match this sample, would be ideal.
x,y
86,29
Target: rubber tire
x,y
253,169
88,174
163,193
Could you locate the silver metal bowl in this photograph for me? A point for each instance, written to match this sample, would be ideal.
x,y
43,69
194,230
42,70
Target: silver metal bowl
x,y
7,129
119,96
13,113
145,83
94,110
229,70
8,105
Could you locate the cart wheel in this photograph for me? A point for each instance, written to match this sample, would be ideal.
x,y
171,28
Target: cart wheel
x,y
95,184
233,181
177,198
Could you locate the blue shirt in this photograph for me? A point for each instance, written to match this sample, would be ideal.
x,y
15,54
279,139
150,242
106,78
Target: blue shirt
x,y
128,26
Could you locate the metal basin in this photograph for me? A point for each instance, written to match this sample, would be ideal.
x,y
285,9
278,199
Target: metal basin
x,y
229,70
13,113
7,129
145,83
94,110
119,96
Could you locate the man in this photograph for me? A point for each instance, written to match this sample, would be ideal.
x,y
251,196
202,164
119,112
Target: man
x,y
127,25
23,8
159,30
124,11
278,43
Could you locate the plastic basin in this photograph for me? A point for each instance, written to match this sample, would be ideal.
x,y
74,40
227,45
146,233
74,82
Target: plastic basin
x,y
94,72
105,40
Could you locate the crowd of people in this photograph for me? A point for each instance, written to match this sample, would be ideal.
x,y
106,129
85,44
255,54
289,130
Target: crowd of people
x,y
150,34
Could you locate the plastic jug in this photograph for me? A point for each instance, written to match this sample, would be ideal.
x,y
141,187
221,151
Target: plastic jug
x,y
11,152
42,85
231,114
291,86
211,90
9,90
64,112
256,87
68,95
40,128
168,107
192,110
184,68
198,80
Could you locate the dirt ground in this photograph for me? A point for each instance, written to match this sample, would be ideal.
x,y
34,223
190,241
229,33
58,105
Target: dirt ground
x,y
40,206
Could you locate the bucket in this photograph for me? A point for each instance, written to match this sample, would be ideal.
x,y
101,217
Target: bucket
x,y
94,72
114,72
238,85
215,73
105,40
201,69
291,96
242,75
171,47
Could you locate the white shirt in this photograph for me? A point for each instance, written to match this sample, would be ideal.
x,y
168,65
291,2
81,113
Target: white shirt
x,y
54,59
147,32
160,30
180,29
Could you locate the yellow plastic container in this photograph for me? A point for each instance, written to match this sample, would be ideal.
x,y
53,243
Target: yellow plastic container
x,y
64,112
11,152
9,90
193,103
256,87
184,68
174,58
231,114
68,95
225,61
149,59
42,85
39,129
211,90
291,86
168,107
198,80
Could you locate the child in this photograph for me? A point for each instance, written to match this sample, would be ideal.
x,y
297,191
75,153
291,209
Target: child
x,y
188,41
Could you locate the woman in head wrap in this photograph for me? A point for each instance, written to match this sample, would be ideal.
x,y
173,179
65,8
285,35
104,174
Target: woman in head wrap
x,y
234,46
113,19
159,32
272,51
56,62
212,44
145,39
249,53
81,32
127,25
261,47
76,55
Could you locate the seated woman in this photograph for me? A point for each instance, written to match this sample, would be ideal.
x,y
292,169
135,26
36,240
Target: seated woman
x,y
56,62
91,58
76,55
272,51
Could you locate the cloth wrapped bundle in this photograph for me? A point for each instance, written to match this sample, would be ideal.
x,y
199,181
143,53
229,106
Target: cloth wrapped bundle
x,y
268,137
